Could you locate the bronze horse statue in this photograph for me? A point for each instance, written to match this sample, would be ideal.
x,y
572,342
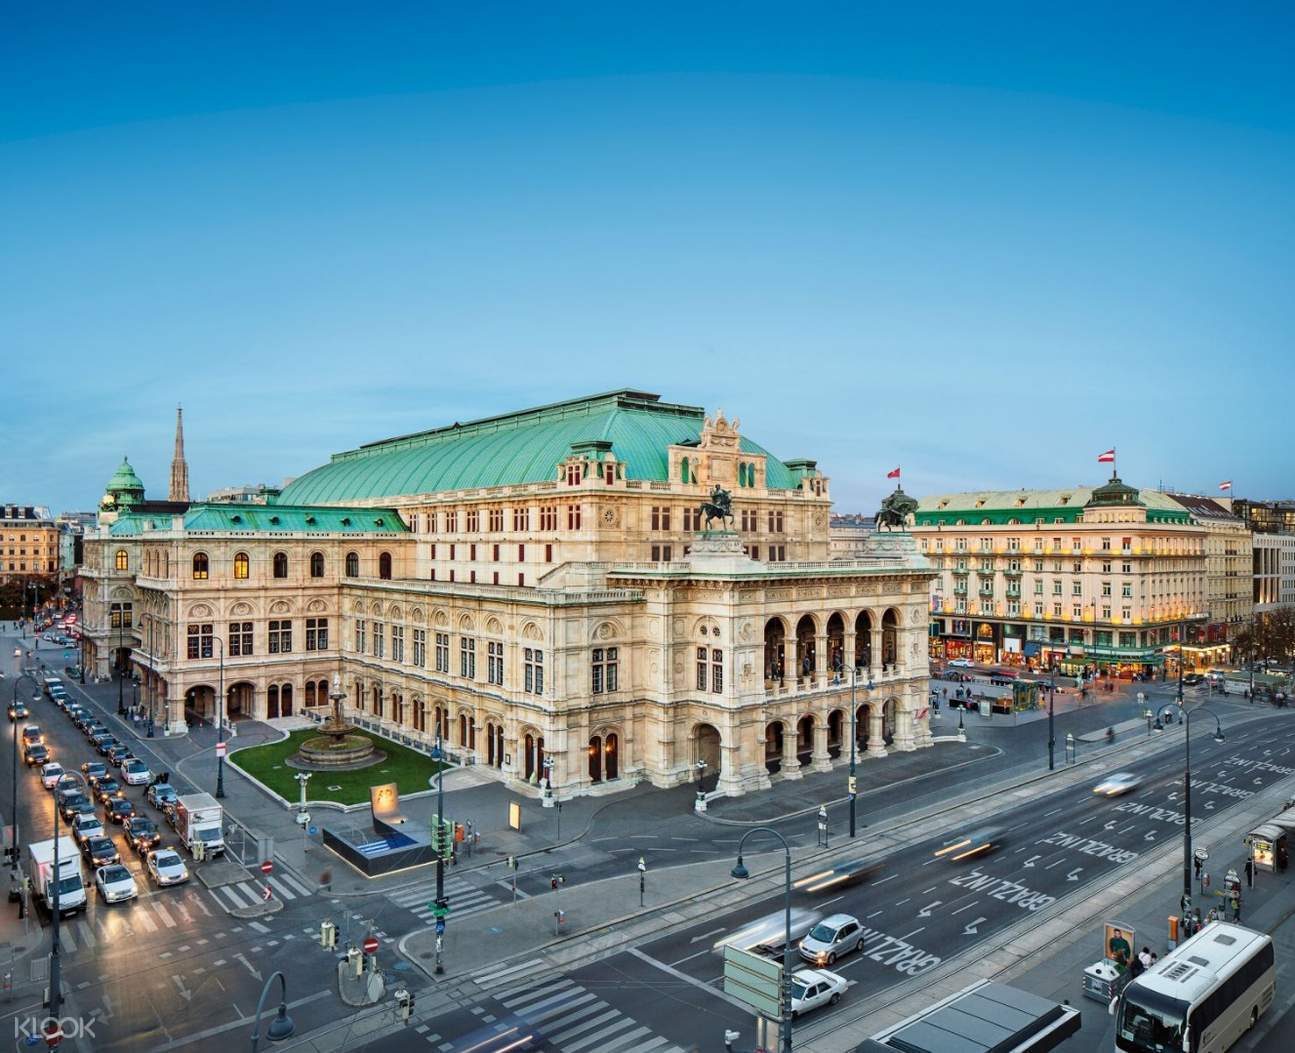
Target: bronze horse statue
x,y
720,506
895,510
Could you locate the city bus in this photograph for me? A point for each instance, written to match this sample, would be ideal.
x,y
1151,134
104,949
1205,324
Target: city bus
x,y
1200,998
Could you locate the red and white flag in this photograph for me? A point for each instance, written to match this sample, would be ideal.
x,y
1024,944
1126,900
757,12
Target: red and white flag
x,y
1108,457
893,475
1226,484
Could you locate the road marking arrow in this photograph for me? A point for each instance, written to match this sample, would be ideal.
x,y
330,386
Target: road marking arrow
x,y
1110,825
107,1012
185,993
971,930
1259,782
254,972
1209,806
1149,837
1031,861
925,912
1074,874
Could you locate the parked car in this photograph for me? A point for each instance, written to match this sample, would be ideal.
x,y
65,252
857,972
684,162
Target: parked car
x,y
49,775
811,988
115,883
832,937
165,867
161,795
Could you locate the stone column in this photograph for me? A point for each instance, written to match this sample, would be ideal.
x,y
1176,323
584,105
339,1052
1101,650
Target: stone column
x,y
821,760
175,716
876,741
875,666
790,762
821,668
905,737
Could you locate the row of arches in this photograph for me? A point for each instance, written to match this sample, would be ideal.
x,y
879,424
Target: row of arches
x,y
776,734
241,565
805,659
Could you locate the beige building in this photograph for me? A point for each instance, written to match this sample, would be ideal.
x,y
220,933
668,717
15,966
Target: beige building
x,y
29,543
542,588
1228,580
1069,579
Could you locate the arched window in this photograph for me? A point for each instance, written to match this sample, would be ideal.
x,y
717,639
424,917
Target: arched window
x,y
352,564
384,565
200,566
123,561
683,470
241,566
280,564
316,564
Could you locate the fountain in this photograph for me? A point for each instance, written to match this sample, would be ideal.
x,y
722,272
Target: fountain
x,y
340,746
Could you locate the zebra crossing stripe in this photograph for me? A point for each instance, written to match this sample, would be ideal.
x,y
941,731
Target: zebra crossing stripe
x,y
301,888
65,939
603,1035
580,1029
87,933
283,890
148,924
576,1015
516,1001
231,895
580,999
487,978
163,914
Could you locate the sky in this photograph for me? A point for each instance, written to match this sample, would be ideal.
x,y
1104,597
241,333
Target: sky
x,y
983,242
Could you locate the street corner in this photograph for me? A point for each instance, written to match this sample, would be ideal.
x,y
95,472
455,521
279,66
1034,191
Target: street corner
x,y
220,872
256,910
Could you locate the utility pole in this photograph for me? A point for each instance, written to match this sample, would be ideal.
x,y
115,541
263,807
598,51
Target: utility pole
x,y
441,907
642,879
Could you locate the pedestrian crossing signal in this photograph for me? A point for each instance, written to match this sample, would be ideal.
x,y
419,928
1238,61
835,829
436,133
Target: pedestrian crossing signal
x,y
443,838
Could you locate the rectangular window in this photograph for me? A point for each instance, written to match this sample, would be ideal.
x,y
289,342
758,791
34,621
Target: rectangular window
x,y
1038,566
1056,610
691,521
495,663
240,638
1126,543
468,657
200,636
960,545
120,616
521,519
521,579
548,517
494,553
1106,614
574,475
1106,544
1126,590
472,577
494,578
361,642
1038,588
496,520
1056,587
420,648
716,671
472,552
1106,588
703,666
397,643
1076,588
453,548
755,551
1076,568
474,521
1013,544
604,669
1126,568
573,517
534,671
452,522
316,634
442,652
1013,608
521,553
775,522
379,640
662,553
548,553
1077,612
281,636
661,517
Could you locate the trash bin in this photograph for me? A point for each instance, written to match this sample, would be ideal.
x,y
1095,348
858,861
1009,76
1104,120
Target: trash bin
x,y
1103,980
986,708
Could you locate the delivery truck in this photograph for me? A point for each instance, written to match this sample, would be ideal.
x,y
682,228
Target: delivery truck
x,y
198,817
40,868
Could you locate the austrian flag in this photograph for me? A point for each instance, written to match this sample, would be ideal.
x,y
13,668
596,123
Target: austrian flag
x,y
1106,458
1226,484
893,475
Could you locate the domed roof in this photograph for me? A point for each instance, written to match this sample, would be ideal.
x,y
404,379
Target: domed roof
x,y
124,481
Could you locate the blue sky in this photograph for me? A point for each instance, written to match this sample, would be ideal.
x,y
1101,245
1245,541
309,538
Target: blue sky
x,y
984,244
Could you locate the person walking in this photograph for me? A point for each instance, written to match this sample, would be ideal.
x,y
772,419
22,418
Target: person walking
x,y
1144,957
1250,873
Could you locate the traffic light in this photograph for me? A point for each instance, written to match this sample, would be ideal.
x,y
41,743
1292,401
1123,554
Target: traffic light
x,y
443,837
327,935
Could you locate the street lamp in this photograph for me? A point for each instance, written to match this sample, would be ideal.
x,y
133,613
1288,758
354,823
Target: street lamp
x,y
548,781
700,804
220,724
439,757
1052,738
1187,786
854,736
741,873
281,1026
121,643
55,961
13,700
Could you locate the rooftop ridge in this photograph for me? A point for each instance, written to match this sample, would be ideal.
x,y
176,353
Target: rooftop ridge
x,y
588,405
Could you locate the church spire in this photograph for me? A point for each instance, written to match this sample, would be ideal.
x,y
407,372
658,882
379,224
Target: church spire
x,y
179,468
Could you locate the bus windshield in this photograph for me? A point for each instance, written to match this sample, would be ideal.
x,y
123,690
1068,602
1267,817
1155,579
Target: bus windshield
x,y
1150,1022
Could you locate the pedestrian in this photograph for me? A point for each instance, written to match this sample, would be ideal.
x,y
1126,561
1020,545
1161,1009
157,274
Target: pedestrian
x,y
1144,957
1154,958
1236,907
1250,873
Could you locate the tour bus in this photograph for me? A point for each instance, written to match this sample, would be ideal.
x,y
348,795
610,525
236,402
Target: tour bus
x,y
1200,998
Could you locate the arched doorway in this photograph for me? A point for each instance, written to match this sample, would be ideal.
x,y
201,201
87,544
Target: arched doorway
x,y
377,701
888,712
611,755
773,746
774,648
201,702
805,657
436,720
595,758
499,746
239,700
835,736
863,641
463,729
384,565
889,638
285,700
420,715
804,738
836,645
490,745
272,702
530,758
310,694
706,747
861,726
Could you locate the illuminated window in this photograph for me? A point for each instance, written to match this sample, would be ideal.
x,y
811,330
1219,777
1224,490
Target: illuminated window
x,y
241,566
123,562
200,571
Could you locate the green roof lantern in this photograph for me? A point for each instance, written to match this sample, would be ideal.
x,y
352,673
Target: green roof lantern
x,y
1115,492
124,488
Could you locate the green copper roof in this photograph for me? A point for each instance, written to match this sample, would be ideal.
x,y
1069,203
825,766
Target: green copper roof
x,y
268,519
1000,506
124,479
516,448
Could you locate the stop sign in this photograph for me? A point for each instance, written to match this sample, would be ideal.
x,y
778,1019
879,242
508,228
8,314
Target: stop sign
x,y
53,1034
370,945
267,866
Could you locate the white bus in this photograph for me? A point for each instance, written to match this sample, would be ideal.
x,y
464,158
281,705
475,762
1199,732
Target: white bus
x,y
1202,997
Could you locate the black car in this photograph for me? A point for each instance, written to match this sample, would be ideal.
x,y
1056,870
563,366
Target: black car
x,y
68,803
106,788
106,745
117,753
141,834
37,753
94,771
99,739
95,728
100,851
1192,679
119,809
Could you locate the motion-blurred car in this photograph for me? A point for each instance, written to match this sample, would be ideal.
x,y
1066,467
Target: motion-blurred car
x,y
1118,784
811,988
1192,679
768,934
115,883
977,843
842,874
961,663
165,867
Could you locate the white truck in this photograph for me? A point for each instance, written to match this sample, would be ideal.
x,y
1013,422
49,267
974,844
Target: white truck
x,y
40,868
198,817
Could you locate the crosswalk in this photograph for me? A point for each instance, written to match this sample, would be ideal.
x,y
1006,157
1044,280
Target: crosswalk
x,y
464,898
572,1019
246,893
107,925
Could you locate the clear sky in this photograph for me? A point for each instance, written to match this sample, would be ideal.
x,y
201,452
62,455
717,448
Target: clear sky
x,y
983,241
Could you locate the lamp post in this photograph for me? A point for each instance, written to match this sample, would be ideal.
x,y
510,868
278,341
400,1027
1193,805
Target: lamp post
x,y
1187,786
854,738
281,1026
700,804
152,687
121,643
55,961
438,755
548,781
13,700
1052,738
741,873
220,724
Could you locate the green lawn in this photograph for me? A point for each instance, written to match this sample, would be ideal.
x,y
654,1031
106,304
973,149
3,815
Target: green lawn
x,y
405,767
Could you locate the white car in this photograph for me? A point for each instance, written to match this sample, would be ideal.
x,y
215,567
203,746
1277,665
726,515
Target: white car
x,y
115,883
166,867
1118,784
134,772
811,988
87,826
961,663
49,775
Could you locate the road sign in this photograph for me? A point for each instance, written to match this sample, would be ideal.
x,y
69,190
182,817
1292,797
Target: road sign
x,y
303,818
266,893
53,1034
1202,854
220,749
754,980
437,910
370,945
267,866
440,926
312,830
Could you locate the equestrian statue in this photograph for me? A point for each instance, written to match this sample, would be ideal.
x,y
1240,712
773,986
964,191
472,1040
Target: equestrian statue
x,y
895,510
720,506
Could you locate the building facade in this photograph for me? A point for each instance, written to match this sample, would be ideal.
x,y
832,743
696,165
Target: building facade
x,y
542,590
1088,578
29,545
1273,571
1266,517
1228,579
